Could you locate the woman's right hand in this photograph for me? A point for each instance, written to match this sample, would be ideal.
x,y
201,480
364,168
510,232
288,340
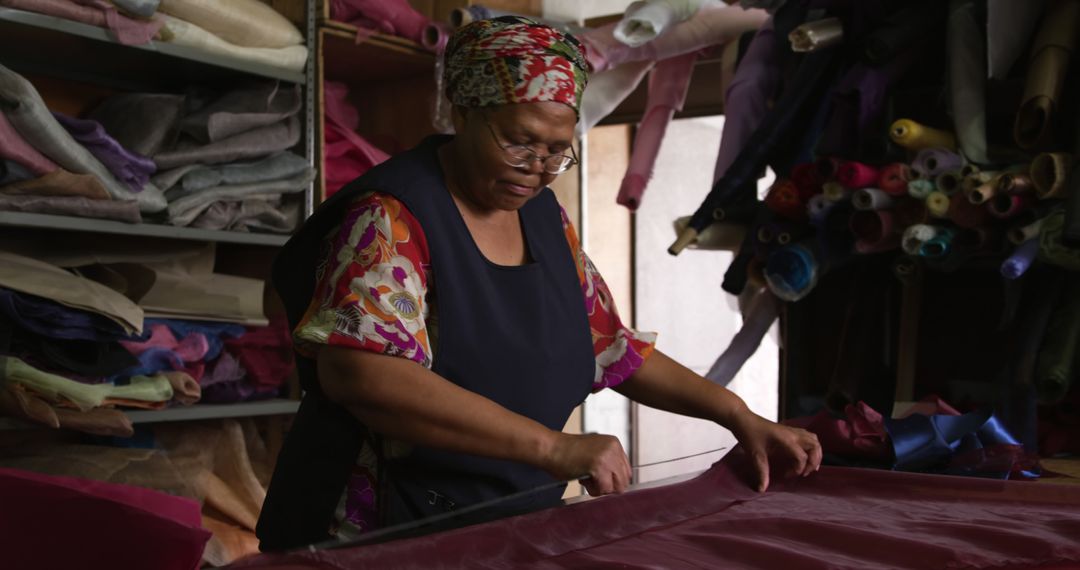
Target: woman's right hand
x,y
599,457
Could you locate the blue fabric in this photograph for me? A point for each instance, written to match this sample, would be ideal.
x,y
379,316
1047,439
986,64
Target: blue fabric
x,y
975,444
215,333
791,272
53,320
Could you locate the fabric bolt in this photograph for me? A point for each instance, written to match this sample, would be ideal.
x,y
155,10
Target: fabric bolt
x,y
1018,263
966,51
59,183
496,62
141,8
938,204
921,188
50,319
915,236
762,313
792,272
186,390
30,117
83,396
949,182
126,211
856,175
785,200
1049,173
347,154
1051,245
248,23
1005,206
16,149
128,168
395,17
894,179
436,35
181,32
274,167
34,277
875,231
1009,27
871,199
242,109
184,210
931,162
668,85
1048,64
256,143
215,333
607,89
912,135
646,20
128,31
265,352
140,122
252,214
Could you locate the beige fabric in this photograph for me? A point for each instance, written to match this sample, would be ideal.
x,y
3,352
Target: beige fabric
x,y
34,277
186,390
229,543
59,183
292,58
248,23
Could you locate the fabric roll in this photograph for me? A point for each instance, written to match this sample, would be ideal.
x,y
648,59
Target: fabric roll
x,y
965,214
912,135
1051,52
938,203
894,179
835,191
16,149
1070,233
984,192
276,167
35,277
939,245
239,110
607,89
817,34
256,143
181,32
261,214
645,20
84,396
140,122
792,272
248,23
762,313
1015,183
949,182
30,117
921,188
141,8
61,183
871,199
1005,206
974,181
915,236
128,31
668,85
435,37
1049,172
874,230
966,51
129,168
184,210
784,200
395,17
932,162
1009,26
1055,366
1018,263
857,175
72,206
818,208
1023,232
718,236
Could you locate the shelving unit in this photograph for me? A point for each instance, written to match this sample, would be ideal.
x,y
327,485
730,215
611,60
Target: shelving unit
x,y
72,223
196,412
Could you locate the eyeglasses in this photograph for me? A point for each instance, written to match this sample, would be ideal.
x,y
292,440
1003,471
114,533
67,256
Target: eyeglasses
x,y
521,156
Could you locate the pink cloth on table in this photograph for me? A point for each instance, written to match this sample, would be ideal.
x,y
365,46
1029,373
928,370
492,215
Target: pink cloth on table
x,y
668,84
395,17
97,523
99,13
14,147
861,433
348,155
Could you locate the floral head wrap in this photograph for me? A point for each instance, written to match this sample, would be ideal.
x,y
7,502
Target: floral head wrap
x,y
512,59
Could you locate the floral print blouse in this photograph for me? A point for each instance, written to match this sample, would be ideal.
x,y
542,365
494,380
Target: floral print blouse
x,y
374,293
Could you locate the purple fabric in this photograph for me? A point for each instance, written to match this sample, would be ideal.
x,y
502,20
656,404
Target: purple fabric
x,y
747,100
53,320
1018,263
931,162
215,333
130,168
226,382
164,351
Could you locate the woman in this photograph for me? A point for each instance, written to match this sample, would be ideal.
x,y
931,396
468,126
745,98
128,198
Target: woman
x,y
454,321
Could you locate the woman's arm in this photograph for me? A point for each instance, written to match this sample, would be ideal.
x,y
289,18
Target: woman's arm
x,y
403,400
664,384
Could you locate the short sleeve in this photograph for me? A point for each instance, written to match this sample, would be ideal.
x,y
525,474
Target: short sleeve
x,y
372,284
619,349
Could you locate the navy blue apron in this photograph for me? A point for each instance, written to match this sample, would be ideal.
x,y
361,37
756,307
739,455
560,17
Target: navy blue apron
x,y
517,335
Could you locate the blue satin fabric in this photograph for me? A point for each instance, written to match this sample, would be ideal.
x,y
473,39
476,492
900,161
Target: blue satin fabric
x,y
975,444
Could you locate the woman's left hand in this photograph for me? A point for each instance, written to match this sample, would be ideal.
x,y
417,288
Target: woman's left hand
x,y
767,441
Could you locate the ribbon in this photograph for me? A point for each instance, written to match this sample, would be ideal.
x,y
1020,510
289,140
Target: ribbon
x,y
975,444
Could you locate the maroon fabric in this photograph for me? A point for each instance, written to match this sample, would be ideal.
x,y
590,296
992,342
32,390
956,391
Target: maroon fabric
x,y
65,522
861,433
836,518
265,353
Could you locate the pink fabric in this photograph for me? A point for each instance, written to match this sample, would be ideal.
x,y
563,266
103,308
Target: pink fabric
x,y
348,155
14,147
395,17
668,84
191,348
65,522
265,352
836,518
99,13
856,175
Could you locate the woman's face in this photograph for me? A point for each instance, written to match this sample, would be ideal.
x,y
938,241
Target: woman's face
x,y
487,180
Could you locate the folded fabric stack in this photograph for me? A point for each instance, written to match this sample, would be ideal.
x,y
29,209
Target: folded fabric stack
x,y
248,30
76,342
229,167
55,164
131,22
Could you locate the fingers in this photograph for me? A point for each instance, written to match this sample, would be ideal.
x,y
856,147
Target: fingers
x,y
815,455
761,467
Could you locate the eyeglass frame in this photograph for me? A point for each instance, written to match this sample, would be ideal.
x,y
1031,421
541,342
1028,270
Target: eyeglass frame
x,y
532,155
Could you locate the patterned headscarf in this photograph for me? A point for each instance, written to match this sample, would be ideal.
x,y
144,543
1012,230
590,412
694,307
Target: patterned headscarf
x,y
512,59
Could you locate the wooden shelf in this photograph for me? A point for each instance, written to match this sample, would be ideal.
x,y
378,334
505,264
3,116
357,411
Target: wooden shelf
x,y
71,223
197,412
377,58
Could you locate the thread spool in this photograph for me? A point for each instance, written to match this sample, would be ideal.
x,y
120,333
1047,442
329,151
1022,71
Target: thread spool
x,y
894,179
1005,206
915,236
835,191
857,175
937,203
912,135
871,199
948,182
920,188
